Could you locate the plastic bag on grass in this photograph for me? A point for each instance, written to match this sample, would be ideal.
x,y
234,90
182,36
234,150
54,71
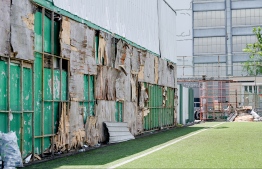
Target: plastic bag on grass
x,y
10,152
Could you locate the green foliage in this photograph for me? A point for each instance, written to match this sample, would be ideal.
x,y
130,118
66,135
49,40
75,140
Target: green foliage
x,y
253,66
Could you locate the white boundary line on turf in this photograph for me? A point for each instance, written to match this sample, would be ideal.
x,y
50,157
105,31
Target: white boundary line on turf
x,y
159,148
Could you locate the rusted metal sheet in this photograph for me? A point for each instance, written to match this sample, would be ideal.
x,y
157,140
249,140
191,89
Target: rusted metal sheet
x,y
22,29
106,83
105,111
130,116
5,27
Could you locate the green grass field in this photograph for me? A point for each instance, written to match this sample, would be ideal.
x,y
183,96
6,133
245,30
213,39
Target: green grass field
x,y
229,145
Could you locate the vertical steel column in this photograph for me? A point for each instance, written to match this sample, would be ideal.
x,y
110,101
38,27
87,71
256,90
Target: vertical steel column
x,y
88,96
8,93
43,57
33,113
52,80
68,74
22,105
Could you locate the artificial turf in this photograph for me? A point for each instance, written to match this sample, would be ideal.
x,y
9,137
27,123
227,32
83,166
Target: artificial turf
x,y
229,145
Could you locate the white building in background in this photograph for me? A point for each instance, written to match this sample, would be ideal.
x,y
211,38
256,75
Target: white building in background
x,y
184,34
211,36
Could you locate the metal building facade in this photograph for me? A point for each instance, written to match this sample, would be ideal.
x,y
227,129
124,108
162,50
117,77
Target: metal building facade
x,y
146,23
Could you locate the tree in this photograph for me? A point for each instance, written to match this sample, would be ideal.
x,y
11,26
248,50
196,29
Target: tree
x,y
253,65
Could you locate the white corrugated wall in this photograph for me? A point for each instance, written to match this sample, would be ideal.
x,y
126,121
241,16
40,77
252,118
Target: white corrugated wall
x,y
136,20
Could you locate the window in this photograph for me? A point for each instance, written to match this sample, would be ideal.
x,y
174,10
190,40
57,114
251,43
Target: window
x,y
210,69
238,70
246,17
209,45
209,19
240,42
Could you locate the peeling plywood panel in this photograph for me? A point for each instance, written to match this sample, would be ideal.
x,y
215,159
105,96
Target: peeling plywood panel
x,y
139,122
134,79
77,43
76,121
161,71
156,70
76,87
81,63
135,61
110,50
149,73
105,111
121,53
106,83
91,130
106,49
120,87
102,51
141,74
130,116
5,27
127,81
61,139
65,31
22,29
166,74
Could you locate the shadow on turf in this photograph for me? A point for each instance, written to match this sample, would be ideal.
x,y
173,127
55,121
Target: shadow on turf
x,y
113,152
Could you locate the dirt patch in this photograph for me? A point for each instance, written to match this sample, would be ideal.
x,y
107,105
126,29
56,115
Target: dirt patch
x,y
244,117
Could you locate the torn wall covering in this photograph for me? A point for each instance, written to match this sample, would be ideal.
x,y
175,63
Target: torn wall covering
x,y
118,78
105,111
77,43
5,27
22,27
130,115
106,83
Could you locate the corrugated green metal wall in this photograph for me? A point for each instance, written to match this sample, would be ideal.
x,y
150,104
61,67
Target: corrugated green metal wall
x,y
160,115
18,101
119,112
89,97
47,102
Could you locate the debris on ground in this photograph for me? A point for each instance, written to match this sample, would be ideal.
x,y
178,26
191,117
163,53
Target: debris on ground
x,y
244,117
